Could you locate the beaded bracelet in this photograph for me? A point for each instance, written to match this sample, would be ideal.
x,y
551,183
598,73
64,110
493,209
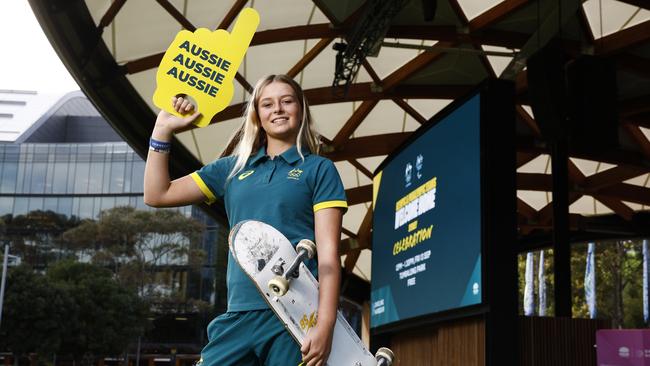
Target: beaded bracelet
x,y
159,146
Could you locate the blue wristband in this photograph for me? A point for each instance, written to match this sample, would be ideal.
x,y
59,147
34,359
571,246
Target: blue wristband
x,y
159,146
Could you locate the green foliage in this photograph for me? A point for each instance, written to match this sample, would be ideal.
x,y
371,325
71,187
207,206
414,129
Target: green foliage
x,y
34,311
76,309
87,310
549,279
143,248
107,317
35,236
619,281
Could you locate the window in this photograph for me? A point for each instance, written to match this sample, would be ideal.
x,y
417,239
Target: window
x,y
59,183
65,206
39,171
9,172
6,205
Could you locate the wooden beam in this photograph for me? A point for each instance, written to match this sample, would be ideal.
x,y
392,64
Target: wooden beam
x,y
492,37
309,56
543,182
485,62
416,64
545,215
110,13
410,110
641,120
639,138
523,158
612,176
534,182
617,206
620,191
359,92
353,122
143,64
358,195
616,157
527,226
312,31
526,210
575,175
362,147
627,192
361,168
324,30
177,15
351,259
528,120
365,91
624,40
495,14
232,14
349,244
348,232
521,82
373,75
244,83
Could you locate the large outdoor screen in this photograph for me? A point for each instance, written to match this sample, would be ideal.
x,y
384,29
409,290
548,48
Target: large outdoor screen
x,y
426,255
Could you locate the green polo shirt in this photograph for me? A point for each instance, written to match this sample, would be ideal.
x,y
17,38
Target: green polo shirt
x,y
283,192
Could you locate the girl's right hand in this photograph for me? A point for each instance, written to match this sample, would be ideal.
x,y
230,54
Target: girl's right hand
x,y
169,123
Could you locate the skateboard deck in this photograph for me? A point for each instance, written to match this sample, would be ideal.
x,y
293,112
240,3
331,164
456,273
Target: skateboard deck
x,y
258,247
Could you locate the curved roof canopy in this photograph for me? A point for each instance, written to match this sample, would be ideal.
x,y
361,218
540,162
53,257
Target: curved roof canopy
x,y
112,48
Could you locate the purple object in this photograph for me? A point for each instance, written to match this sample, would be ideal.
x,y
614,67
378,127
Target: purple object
x,y
623,347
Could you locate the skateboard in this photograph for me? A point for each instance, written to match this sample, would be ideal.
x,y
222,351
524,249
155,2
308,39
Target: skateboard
x,y
291,291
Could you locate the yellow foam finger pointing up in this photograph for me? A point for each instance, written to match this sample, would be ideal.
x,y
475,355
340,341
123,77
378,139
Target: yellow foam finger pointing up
x,y
203,64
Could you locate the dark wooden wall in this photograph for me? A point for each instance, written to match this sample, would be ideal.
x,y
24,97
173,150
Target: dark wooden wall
x,y
458,343
543,341
559,341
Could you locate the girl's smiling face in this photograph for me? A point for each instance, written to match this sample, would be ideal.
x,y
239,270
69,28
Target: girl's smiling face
x,y
279,112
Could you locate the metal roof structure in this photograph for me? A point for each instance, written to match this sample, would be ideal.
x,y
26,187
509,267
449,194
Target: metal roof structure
x,y
112,49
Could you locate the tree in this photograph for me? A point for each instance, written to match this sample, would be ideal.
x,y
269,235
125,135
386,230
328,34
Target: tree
x,y
548,278
34,313
618,282
107,317
35,236
144,248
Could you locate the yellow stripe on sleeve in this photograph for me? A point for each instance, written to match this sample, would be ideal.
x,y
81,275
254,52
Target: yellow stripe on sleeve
x,y
204,188
329,204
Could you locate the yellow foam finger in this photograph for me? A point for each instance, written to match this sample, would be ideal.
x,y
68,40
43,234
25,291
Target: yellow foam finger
x,y
203,64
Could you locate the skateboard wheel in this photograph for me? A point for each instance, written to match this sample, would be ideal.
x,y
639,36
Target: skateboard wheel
x,y
308,246
386,355
279,286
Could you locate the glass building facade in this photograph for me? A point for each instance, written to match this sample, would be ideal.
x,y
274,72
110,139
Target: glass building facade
x,y
71,162
77,180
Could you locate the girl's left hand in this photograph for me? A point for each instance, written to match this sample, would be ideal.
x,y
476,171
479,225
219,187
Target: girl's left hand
x,y
317,346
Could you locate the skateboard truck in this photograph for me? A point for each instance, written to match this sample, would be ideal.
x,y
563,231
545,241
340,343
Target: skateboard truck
x,y
280,284
384,357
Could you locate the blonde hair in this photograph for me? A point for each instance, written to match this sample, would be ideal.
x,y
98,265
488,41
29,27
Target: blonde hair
x,y
250,137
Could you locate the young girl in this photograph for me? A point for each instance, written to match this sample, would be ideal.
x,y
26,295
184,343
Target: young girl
x,y
272,174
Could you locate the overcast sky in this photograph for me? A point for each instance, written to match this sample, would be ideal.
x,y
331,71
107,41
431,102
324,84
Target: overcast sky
x,y
28,61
